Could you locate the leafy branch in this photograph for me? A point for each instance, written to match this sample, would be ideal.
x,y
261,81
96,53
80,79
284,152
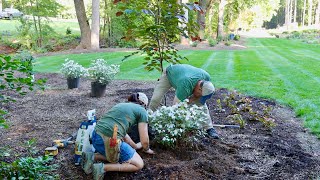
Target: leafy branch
x,y
158,24
16,76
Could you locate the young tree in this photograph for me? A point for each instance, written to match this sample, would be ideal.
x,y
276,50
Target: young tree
x,y
39,10
156,24
85,42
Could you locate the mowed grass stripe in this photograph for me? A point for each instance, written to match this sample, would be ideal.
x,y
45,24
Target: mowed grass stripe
x,y
299,76
266,56
131,69
230,64
209,60
251,74
196,58
297,62
306,54
297,92
217,68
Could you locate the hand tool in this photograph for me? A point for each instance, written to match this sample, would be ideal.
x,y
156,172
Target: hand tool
x,y
226,126
59,143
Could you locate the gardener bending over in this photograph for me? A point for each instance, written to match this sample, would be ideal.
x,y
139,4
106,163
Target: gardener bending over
x,y
190,83
121,156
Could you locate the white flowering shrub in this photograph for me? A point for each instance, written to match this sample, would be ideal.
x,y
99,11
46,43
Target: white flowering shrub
x,y
178,123
100,72
71,69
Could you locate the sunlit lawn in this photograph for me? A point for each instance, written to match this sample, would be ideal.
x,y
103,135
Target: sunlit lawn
x,y
58,26
278,69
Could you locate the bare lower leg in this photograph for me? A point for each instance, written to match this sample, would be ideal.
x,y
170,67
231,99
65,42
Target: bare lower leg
x,y
99,157
125,167
134,164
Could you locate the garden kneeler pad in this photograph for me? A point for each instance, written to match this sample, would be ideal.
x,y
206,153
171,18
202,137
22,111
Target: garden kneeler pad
x,y
112,146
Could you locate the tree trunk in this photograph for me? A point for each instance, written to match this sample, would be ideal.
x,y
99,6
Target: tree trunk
x,y
83,24
317,18
209,25
310,13
35,26
201,19
290,11
287,16
0,5
95,26
304,12
110,34
40,31
220,32
39,25
105,16
295,12
210,15
184,40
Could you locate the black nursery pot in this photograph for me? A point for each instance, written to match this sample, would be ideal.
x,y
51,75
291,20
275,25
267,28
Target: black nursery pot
x,y
98,89
73,82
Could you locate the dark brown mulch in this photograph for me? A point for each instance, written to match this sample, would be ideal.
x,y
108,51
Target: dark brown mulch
x,y
287,151
7,50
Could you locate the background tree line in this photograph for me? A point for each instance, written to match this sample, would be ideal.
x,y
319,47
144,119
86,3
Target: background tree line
x,y
294,13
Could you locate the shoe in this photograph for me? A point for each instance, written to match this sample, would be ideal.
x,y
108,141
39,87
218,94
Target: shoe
x,y
98,172
87,162
212,133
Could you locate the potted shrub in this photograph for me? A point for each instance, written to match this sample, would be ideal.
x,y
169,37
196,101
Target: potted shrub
x,y
73,71
101,75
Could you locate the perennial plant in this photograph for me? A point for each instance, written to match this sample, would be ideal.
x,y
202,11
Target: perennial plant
x,y
71,69
100,72
178,123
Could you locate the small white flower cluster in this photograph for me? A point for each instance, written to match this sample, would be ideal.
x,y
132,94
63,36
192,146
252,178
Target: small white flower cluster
x,y
177,122
71,69
100,72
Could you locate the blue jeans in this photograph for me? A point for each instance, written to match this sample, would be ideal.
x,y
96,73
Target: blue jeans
x,y
126,151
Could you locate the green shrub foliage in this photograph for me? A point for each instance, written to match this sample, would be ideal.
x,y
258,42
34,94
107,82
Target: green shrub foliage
x,y
178,123
16,76
212,42
158,25
28,168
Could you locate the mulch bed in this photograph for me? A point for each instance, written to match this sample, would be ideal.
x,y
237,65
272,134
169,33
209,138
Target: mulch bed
x,y
287,151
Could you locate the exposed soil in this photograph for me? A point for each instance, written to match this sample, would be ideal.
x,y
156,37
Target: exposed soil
x,y
6,49
287,151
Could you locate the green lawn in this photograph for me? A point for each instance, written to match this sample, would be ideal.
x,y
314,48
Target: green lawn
x,y
59,27
279,69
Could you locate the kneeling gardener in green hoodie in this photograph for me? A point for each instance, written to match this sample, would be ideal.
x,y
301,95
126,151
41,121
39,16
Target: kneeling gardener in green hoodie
x,y
113,144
